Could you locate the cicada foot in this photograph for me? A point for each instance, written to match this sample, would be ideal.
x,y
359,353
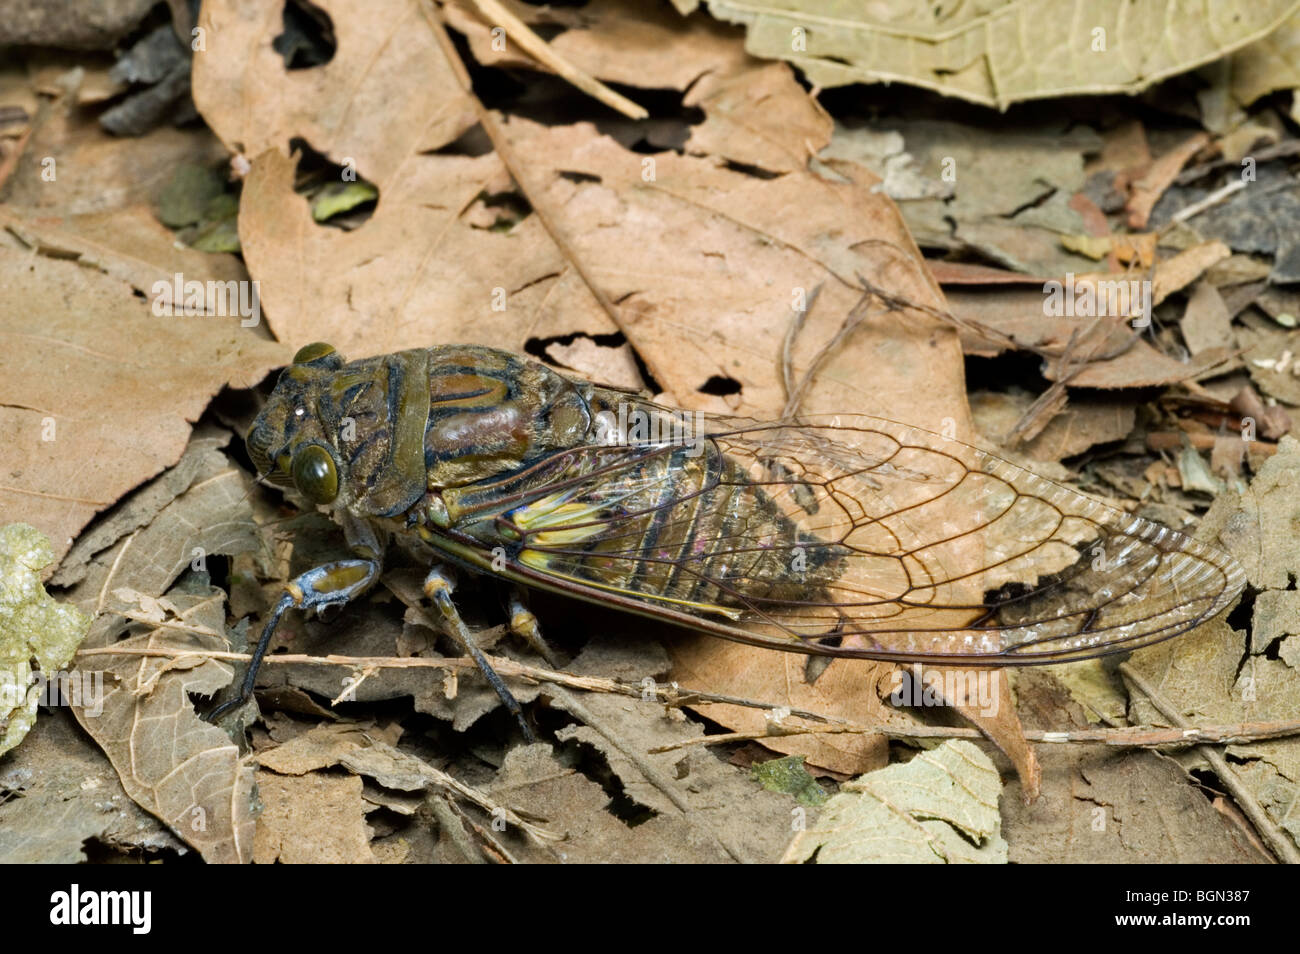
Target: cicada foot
x,y
438,588
524,624
331,584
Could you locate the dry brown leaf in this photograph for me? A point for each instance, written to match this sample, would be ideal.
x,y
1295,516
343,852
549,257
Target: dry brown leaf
x,y
1206,323
720,802
128,244
311,819
91,408
202,458
1147,190
1184,268
1082,424
1102,805
57,791
186,771
97,172
387,95
458,283
535,780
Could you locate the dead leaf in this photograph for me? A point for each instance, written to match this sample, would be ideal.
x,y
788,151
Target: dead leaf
x,y
311,819
1206,677
128,386
939,808
1101,804
58,792
533,779
191,775
1084,423
1147,190
1206,323
980,53
185,771
38,634
719,802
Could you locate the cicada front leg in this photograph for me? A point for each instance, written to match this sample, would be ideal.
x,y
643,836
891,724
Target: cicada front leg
x,y
328,586
438,588
331,584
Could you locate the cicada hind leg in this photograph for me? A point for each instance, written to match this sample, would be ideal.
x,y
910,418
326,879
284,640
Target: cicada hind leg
x,y
438,588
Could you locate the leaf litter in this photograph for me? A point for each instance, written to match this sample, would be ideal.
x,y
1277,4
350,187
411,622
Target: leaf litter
x,y
657,255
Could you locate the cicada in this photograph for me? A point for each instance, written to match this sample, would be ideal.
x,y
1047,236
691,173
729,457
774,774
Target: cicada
x,y
850,536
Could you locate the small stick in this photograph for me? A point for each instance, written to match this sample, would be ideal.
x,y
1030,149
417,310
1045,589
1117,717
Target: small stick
x,y
1134,736
1277,839
532,44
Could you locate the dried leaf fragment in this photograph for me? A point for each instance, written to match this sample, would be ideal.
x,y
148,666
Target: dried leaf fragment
x,y
34,628
927,811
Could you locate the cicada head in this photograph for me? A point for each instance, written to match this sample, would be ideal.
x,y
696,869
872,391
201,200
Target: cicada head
x,y
290,442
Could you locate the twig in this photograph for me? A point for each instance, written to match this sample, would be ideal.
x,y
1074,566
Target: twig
x,y
535,195
1214,198
791,335
532,44
1278,840
677,697
1135,736
669,694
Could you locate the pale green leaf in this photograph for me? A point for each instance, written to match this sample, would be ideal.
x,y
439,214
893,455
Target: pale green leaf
x,y
998,52
939,808
34,628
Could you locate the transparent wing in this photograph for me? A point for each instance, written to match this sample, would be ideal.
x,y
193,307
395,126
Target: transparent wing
x,y
853,536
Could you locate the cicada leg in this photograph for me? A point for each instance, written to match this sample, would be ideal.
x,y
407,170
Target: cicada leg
x,y
331,584
438,588
524,624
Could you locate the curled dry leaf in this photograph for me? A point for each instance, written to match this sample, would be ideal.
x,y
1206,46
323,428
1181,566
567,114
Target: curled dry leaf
x,y
185,771
939,808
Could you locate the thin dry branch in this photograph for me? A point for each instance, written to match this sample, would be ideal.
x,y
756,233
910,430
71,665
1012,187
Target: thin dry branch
x,y
1277,839
670,694
496,15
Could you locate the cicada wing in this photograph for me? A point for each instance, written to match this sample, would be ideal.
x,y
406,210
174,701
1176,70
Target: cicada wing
x,y
863,537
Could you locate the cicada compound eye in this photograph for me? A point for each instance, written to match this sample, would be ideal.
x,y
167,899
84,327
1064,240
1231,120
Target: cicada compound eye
x,y
319,354
315,475
311,352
